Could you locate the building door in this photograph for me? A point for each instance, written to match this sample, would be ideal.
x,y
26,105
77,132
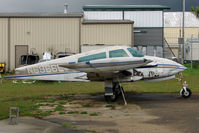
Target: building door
x,y
19,51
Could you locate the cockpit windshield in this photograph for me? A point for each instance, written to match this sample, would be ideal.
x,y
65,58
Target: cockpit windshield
x,y
135,53
117,53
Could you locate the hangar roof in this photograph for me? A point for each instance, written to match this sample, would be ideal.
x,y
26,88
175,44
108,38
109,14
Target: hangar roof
x,y
40,15
123,7
108,22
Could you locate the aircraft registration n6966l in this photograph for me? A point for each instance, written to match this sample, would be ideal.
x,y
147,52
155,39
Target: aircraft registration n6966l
x,y
112,65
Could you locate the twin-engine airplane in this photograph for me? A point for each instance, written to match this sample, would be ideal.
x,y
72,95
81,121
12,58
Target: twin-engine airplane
x,y
112,65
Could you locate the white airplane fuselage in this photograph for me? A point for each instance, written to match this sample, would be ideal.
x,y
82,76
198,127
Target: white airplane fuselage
x,y
77,68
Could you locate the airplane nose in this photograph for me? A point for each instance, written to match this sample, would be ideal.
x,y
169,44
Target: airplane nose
x,y
182,67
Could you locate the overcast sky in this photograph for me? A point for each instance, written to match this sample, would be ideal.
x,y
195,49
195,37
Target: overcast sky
x,y
54,6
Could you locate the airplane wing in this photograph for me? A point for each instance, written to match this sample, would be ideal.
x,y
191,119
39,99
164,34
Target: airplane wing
x,y
106,65
99,70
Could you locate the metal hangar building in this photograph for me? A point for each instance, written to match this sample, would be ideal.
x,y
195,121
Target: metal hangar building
x,y
98,26
148,23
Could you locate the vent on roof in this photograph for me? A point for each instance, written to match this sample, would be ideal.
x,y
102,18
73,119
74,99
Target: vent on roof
x,y
66,8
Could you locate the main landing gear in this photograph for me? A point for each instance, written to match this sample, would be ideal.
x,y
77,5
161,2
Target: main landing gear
x,y
113,91
184,92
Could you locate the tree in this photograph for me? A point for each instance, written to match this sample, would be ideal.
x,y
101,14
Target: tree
x,y
195,10
192,9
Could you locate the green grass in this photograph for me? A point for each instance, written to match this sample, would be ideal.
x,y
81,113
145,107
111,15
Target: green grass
x,y
27,96
61,113
111,106
83,112
86,105
67,124
59,108
40,114
94,114
73,112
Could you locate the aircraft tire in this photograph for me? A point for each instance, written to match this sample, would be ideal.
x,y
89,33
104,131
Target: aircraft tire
x,y
112,98
186,94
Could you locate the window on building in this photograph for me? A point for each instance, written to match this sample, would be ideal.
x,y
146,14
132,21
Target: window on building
x,y
92,57
117,53
135,53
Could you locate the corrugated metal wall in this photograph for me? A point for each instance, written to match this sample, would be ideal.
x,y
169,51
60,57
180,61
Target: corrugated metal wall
x,y
56,34
172,34
145,18
151,50
141,18
110,34
148,36
103,15
174,19
4,40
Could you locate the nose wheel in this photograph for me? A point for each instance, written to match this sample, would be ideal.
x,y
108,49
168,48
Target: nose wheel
x,y
185,92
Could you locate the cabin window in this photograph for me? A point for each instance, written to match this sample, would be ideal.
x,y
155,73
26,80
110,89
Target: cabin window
x,y
135,53
92,57
117,53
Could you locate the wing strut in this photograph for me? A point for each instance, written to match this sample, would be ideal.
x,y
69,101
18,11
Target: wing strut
x,y
122,91
123,96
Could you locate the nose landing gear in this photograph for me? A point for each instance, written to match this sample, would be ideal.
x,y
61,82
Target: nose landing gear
x,y
185,92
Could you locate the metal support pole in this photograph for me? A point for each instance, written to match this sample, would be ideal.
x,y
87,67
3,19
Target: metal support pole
x,y
191,51
183,18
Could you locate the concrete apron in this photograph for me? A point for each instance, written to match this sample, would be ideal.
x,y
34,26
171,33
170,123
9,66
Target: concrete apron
x,y
31,125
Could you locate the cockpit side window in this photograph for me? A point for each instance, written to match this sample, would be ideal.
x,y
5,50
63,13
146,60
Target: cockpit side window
x,y
117,53
135,53
92,57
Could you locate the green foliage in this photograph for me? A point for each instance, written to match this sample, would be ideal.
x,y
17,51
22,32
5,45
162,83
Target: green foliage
x,y
67,124
73,112
62,102
86,105
195,10
94,114
58,108
192,9
83,112
196,65
64,96
40,114
61,113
